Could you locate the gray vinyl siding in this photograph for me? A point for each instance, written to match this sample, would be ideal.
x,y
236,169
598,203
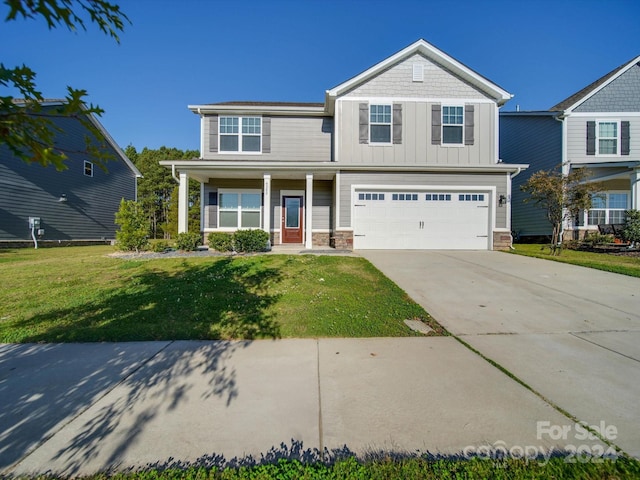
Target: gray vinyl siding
x,y
577,139
322,199
347,179
537,141
32,190
397,82
416,147
293,139
621,95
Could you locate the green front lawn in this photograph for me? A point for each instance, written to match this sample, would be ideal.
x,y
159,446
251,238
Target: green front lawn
x,y
80,294
626,265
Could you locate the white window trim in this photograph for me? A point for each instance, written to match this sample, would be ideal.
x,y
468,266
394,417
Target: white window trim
x,y
239,191
381,104
619,137
86,162
239,151
607,209
442,125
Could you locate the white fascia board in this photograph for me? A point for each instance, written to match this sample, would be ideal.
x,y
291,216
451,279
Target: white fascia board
x,y
433,53
600,87
260,109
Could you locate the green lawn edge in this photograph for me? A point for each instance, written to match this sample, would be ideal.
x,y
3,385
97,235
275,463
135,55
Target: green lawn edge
x,y
601,261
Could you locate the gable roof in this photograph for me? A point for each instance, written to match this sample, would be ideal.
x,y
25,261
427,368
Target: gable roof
x,y
52,102
581,96
423,47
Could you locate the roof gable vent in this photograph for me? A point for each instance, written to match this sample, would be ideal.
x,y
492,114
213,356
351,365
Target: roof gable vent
x,y
418,72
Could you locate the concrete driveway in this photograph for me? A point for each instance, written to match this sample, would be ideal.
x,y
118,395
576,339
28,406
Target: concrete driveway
x,y
570,333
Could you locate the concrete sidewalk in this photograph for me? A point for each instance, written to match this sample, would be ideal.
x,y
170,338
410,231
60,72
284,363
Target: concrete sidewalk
x,y
571,333
79,409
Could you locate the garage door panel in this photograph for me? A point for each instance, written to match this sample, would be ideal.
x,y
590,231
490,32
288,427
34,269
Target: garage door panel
x,y
448,220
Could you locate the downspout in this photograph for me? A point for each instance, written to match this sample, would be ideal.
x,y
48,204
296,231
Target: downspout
x,y
173,173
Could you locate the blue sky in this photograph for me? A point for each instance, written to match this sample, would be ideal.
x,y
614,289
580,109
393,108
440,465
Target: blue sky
x,y
181,52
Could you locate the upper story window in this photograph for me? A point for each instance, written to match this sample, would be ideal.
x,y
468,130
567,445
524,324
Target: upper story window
x,y
380,123
452,124
88,169
240,134
608,138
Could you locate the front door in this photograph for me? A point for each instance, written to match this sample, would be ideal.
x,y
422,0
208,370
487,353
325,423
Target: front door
x,y
292,214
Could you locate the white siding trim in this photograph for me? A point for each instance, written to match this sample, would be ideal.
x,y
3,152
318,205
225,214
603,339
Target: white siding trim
x,y
605,114
203,128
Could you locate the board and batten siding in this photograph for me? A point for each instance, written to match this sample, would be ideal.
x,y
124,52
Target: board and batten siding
x,y
420,179
537,141
397,81
292,139
30,190
416,147
577,139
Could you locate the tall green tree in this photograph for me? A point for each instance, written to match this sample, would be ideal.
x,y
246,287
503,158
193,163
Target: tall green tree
x,y
26,126
562,196
157,193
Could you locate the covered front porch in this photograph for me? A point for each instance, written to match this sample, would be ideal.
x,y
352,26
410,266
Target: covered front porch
x,y
295,205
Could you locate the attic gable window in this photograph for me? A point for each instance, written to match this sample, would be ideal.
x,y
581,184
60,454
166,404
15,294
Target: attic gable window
x,y
380,123
240,134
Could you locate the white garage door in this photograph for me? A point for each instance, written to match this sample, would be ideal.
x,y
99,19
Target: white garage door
x,y
421,220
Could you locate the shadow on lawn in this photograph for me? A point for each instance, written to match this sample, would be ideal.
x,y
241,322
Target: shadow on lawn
x,y
46,386
225,299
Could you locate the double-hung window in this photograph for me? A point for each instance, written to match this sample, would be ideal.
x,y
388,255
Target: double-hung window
x,y
452,125
240,134
608,208
608,138
380,123
239,209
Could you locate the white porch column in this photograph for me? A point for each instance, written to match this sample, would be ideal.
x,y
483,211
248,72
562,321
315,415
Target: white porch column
x,y
266,202
308,242
183,203
635,189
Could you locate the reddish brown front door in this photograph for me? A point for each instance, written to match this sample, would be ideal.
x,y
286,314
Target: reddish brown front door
x,y
292,214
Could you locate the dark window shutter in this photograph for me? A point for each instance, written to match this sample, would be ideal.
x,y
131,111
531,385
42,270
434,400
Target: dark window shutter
x,y
624,137
213,198
364,123
436,124
397,123
213,133
266,134
591,137
468,124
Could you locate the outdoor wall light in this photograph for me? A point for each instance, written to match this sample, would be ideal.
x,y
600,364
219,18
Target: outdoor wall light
x,y
63,198
502,200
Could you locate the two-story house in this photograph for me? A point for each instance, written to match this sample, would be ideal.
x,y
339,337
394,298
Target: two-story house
x,y
401,156
597,128
76,205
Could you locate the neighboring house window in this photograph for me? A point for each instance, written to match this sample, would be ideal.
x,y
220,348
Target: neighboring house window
x,y
452,124
608,207
88,169
608,137
239,209
380,123
240,134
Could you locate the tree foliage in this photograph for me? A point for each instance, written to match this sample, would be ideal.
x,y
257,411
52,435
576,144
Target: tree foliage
x,y
562,197
134,229
26,125
158,191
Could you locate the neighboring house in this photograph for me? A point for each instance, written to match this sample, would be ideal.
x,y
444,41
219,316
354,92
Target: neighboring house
x,y
402,156
597,128
75,204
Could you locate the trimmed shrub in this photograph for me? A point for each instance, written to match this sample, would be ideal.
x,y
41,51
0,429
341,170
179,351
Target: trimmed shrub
x,y
188,241
134,227
220,241
159,247
595,239
631,229
250,240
